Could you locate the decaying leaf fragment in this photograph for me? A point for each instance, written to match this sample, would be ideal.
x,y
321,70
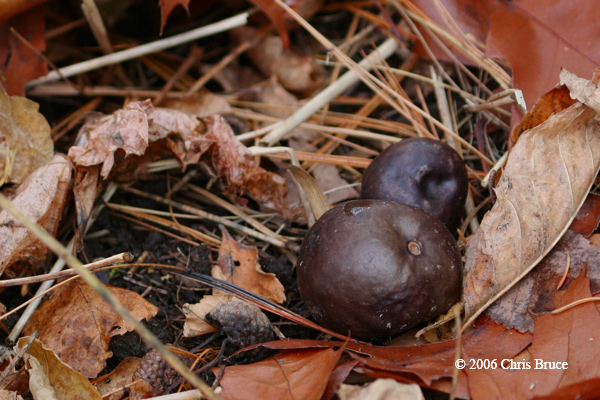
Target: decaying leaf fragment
x,y
118,378
238,264
117,142
41,197
537,293
130,130
77,323
548,174
51,378
25,140
233,161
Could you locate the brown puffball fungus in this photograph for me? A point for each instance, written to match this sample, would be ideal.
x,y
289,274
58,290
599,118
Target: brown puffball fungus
x,y
420,172
373,268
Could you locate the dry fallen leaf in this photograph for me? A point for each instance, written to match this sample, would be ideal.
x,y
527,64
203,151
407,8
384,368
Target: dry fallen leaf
x,y
233,161
572,336
295,72
51,378
24,138
130,130
167,6
78,324
537,293
21,64
195,315
547,176
202,104
552,102
41,197
381,389
9,395
9,9
113,141
118,378
86,188
238,264
538,38
299,374
588,217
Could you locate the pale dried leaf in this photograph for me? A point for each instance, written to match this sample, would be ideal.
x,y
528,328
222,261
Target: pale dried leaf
x,y
41,197
328,177
51,378
130,130
581,89
195,323
381,389
77,323
99,139
203,104
9,395
315,196
296,72
536,294
238,264
118,378
24,133
547,177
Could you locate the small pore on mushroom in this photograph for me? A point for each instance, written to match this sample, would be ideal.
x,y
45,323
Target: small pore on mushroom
x,y
414,248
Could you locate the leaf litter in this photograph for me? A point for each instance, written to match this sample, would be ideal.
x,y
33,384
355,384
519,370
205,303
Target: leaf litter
x,y
537,198
129,145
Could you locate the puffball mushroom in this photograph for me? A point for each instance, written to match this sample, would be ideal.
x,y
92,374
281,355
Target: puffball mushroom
x,y
420,172
374,268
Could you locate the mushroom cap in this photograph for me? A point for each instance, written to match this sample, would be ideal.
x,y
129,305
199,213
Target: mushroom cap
x,y
373,268
420,172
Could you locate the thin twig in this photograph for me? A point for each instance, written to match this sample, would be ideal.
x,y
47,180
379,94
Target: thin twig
x,y
116,259
330,92
145,49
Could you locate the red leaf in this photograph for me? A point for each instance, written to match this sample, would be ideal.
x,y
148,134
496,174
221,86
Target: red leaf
x,y
587,219
538,37
277,16
167,6
572,336
299,374
19,64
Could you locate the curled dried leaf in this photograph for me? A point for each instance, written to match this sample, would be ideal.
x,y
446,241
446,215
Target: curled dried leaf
x,y
547,177
41,197
25,140
51,378
238,264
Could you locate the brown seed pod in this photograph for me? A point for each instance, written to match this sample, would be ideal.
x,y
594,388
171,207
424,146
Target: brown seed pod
x,y
373,268
420,172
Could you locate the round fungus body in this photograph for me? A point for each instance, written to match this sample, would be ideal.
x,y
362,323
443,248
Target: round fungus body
x,y
373,268
420,172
